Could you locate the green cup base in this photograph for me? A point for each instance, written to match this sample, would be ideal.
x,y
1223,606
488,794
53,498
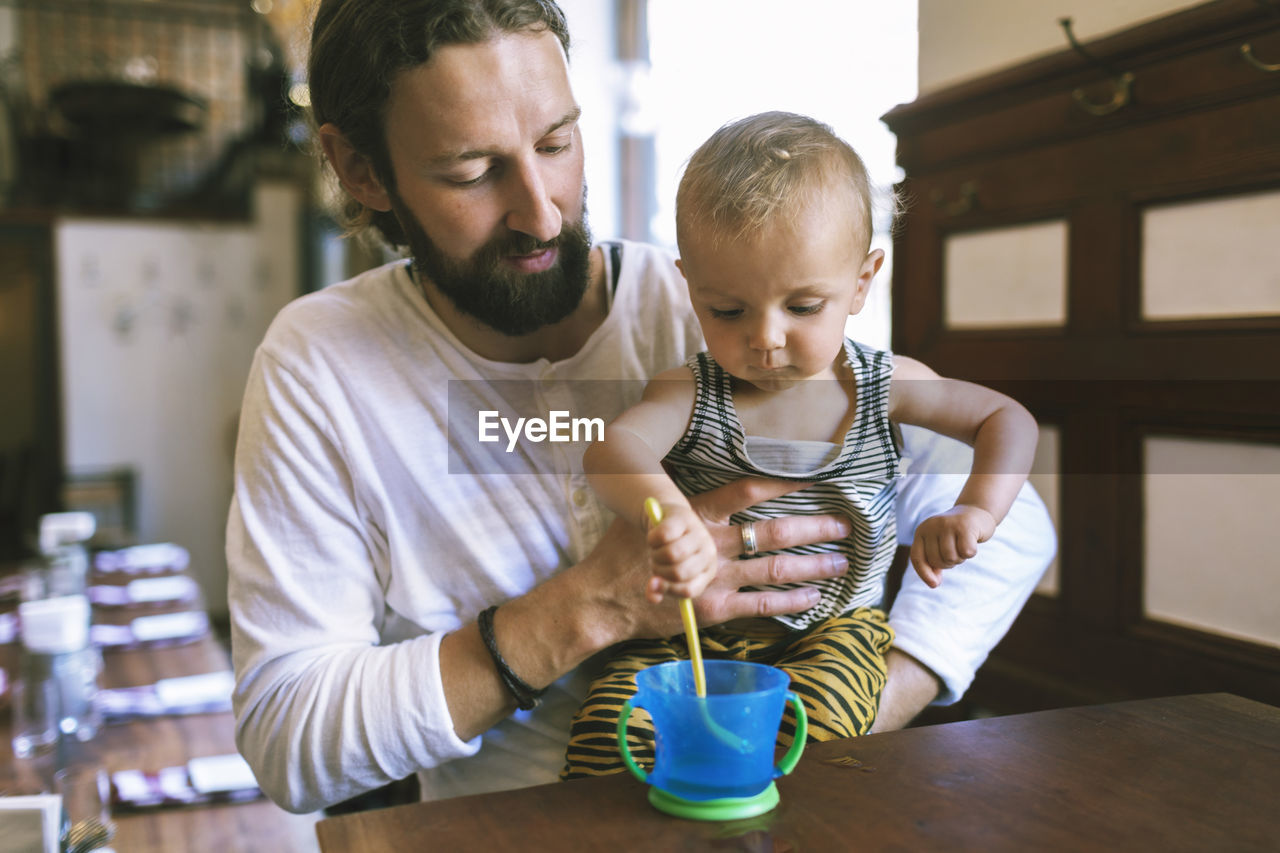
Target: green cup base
x,y
725,808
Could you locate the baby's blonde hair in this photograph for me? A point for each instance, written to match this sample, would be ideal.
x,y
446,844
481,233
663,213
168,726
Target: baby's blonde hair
x,y
761,169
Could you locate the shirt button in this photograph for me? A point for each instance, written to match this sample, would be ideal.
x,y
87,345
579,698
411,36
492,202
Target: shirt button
x,y
580,497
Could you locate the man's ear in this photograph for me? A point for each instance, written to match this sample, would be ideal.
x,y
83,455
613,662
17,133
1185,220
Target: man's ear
x,y
680,266
870,266
353,169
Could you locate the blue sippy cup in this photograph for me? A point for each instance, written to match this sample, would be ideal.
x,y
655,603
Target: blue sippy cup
x,y
715,753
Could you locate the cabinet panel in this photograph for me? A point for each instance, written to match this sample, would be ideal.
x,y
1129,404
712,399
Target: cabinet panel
x,y
1209,515
1000,277
1170,194
1101,186
1183,278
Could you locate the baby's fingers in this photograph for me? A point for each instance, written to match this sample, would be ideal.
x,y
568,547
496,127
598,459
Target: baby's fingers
x,y
682,560
657,589
691,589
669,530
944,552
660,587
924,568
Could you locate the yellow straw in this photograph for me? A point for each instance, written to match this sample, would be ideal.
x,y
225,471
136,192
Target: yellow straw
x,y
654,510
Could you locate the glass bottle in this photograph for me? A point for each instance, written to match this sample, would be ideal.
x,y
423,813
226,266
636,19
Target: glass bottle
x,y
53,701
62,538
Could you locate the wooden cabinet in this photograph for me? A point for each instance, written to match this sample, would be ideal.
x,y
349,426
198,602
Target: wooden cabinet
x,y
30,419
1061,217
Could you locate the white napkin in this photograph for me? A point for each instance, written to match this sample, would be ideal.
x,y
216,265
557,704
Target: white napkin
x,y
214,773
31,824
211,779
145,591
158,557
184,625
188,694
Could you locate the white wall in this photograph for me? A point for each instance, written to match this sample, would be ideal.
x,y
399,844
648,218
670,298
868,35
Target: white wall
x,y
962,39
158,322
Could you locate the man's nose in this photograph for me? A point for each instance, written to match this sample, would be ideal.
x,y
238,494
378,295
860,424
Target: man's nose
x,y
530,208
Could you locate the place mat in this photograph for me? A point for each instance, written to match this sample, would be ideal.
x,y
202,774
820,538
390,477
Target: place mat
x,y
164,589
191,694
213,779
161,629
30,824
12,586
157,558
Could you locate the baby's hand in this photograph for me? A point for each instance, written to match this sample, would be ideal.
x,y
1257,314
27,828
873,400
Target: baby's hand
x,y
682,554
946,540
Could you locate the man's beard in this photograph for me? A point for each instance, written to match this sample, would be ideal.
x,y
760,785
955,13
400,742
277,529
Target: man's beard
x,y
483,286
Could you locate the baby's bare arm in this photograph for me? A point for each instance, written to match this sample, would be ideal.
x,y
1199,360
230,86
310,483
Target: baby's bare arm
x,y
625,469
1000,430
1003,436
626,466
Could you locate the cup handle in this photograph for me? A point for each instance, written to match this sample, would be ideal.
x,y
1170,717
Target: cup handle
x,y
623,716
789,761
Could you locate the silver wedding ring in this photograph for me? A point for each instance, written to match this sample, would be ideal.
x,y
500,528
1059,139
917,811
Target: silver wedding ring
x,y
748,530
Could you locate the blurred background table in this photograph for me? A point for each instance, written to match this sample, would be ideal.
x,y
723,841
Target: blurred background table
x,y
153,743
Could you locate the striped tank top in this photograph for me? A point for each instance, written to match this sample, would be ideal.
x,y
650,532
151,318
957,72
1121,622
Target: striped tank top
x,y
855,478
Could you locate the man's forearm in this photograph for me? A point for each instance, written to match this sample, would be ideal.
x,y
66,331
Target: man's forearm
x,y
541,635
909,689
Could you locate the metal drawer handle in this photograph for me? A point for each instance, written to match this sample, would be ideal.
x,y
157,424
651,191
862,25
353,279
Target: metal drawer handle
x,y
1123,86
1246,50
1121,83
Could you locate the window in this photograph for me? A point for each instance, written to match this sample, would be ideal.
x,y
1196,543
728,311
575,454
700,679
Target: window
x,y
844,62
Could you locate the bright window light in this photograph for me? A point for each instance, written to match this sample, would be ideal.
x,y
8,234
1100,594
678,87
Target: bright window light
x,y
844,62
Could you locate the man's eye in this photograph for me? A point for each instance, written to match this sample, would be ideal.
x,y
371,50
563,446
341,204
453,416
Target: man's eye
x,y
725,313
805,310
470,182
563,140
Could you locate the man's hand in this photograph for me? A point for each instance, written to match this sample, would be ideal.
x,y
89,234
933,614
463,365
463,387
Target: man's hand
x,y
948,539
617,571
723,601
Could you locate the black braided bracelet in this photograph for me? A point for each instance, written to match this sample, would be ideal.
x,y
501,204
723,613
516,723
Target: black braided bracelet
x,y
526,697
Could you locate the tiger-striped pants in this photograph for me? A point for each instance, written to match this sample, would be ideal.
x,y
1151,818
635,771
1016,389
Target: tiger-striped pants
x,y
837,669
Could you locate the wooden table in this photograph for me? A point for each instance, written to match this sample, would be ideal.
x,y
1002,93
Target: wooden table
x,y
1194,773
150,744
